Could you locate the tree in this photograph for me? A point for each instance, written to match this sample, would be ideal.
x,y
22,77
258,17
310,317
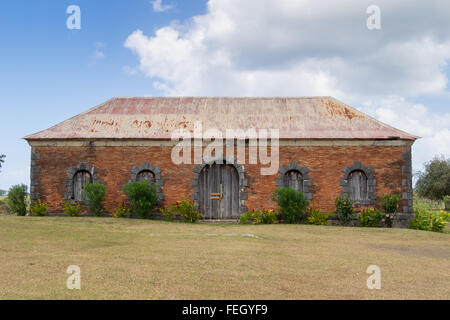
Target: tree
x,y
2,157
434,182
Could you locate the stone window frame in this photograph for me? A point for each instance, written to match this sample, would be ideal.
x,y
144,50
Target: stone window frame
x,y
72,171
304,171
146,166
221,159
371,182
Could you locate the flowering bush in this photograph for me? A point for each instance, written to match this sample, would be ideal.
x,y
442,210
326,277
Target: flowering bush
x,y
387,219
428,221
390,203
316,217
121,211
370,217
168,213
38,209
344,209
445,215
186,209
263,216
72,210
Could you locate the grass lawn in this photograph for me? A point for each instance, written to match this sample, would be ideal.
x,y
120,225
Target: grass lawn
x,y
145,259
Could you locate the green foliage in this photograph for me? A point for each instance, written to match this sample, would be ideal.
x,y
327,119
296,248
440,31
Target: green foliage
x,y
293,204
94,194
39,209
344,209
428,221
72,210
370,217
390,203
431,205
316,217
264,216
434,182
17,199
186,209
168,213
142,196
121,211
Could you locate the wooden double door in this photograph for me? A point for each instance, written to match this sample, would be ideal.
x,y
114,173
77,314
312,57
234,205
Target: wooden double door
x,y
219,192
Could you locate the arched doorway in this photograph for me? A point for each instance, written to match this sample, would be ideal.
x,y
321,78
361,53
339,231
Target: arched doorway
x,y
219,192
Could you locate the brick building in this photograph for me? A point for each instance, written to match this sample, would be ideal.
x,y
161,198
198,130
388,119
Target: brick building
x,y
326,149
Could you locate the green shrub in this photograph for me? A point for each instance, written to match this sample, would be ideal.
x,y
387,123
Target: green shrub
x,y
186,209
168,213
142,196
344,209
94,194
17,199
264,216
317,218
370,217
72,210
390,203
293,204
39,209
121,211
428,221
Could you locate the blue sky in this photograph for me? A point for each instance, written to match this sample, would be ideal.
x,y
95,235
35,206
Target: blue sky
x,y
398,74
49,73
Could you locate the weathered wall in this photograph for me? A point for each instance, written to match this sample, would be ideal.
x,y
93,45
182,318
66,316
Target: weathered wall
x,y
50,164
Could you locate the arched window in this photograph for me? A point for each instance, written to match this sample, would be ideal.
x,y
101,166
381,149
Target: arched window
x,y
146,175
358,186
293,179
79,180
296,177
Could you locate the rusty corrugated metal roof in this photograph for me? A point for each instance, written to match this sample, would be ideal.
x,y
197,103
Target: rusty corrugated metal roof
x,y
156,118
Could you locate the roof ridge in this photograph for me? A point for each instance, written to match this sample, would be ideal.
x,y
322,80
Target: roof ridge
x,y
225,97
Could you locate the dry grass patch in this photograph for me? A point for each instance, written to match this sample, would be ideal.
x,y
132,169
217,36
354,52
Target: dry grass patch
x,y
143,259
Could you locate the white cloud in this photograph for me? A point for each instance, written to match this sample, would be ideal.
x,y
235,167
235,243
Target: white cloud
x,y
433,128
159,7
306,47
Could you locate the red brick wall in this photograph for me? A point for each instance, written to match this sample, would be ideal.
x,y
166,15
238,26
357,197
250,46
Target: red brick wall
x,y
114,165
